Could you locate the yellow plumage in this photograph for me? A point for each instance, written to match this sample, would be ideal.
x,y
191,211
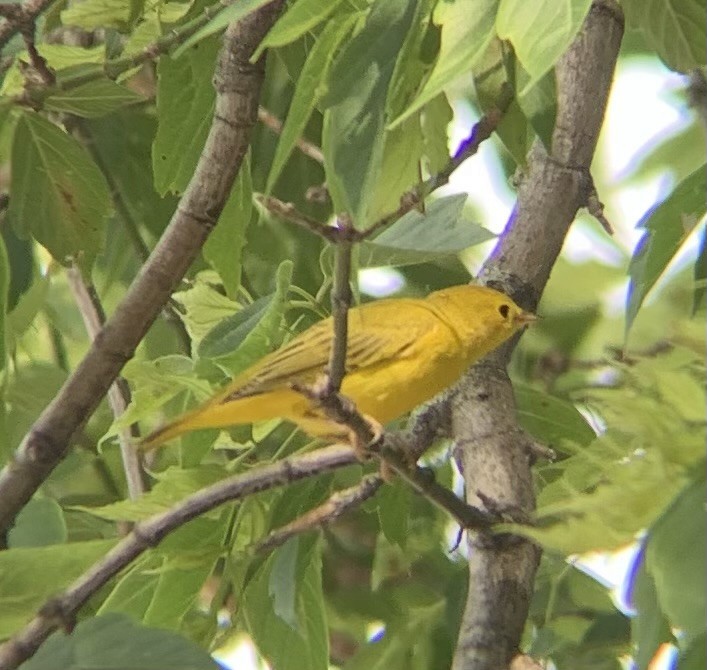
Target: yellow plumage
x,y
401,352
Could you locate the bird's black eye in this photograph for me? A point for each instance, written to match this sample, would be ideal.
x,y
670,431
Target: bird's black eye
x,y
503,311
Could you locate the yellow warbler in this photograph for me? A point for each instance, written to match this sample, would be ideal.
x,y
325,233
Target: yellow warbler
x,y
401,352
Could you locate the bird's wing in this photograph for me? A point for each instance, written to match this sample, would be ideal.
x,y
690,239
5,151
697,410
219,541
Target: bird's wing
x,y
374,337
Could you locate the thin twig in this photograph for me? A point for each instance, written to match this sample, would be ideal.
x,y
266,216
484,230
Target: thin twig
x,y
481,131
340,303
288,212
338,503
62,610
37,61
309,149
93,316
596,208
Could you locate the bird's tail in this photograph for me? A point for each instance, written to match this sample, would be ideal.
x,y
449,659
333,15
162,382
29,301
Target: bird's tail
x,y
214,414
169,431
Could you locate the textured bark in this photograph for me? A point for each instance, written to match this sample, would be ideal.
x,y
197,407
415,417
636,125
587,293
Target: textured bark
x,y
492,450
238,84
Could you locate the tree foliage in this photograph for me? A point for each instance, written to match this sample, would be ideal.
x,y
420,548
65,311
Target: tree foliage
x,y
105,108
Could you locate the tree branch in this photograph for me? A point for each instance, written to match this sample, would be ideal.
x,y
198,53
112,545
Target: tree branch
x,y
93,317
492,449
238,84
269,120
61,611
338,503
20,18
340,303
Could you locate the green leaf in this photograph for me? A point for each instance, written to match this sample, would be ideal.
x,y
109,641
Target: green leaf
x,y
261,339
92,14
667,226
114,641
493,72
93,99
224,247
230,14
134,588
57,194
466,30
204,306
354,122
156,383
394,503
550,419
400,167
308,91
695,656
185,105
29,391
29,576
305,646
21,266
418,238
674,28
173,486
538,103
299,18
122,143
40,523
283,582
60,57
436,117
176,592
681,153
229,333
4,294
678,567
540,32
649,627
616,486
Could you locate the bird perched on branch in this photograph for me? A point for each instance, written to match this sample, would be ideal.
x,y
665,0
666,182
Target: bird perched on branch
x,y
400,353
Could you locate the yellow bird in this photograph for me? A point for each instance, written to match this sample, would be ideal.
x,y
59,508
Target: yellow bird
x,y
401,352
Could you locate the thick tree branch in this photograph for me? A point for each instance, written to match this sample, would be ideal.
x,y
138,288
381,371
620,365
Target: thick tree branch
x,y
238,84
60,612
493,450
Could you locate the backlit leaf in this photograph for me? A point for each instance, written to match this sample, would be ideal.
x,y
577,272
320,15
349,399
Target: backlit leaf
x,y
355,119
667,225
540,32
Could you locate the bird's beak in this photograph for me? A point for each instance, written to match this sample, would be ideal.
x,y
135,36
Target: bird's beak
x,y
525,319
